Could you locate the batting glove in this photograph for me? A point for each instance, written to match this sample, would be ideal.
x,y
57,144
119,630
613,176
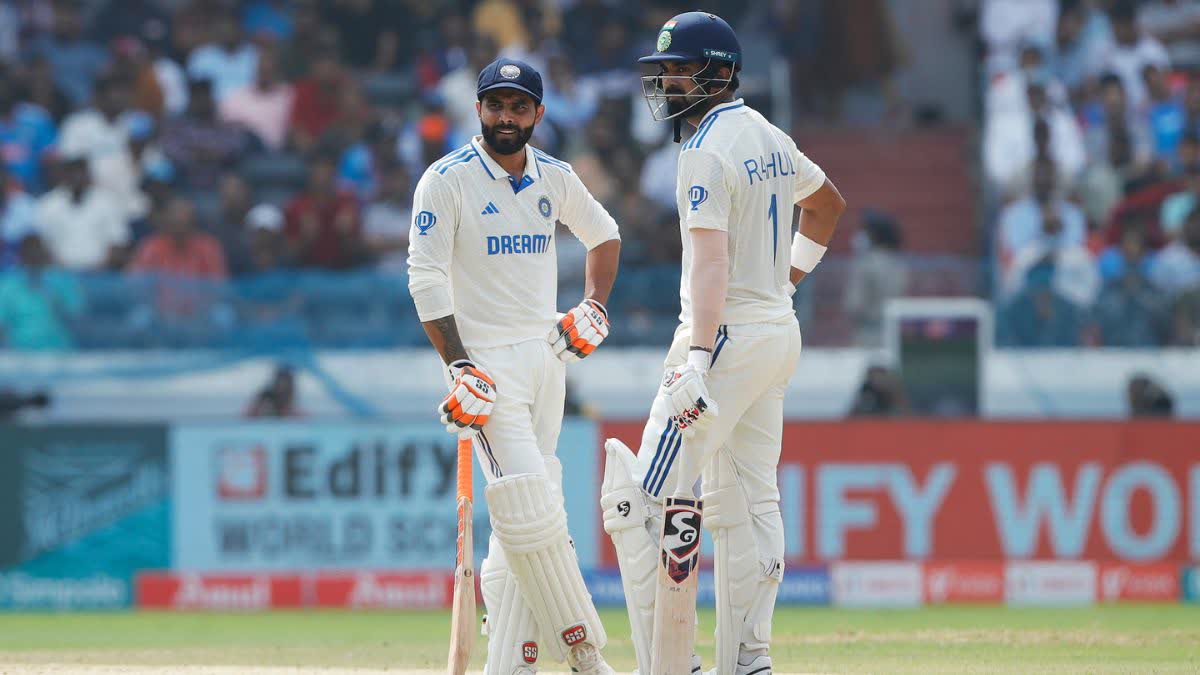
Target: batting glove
x,y
579,331
688,402
471,399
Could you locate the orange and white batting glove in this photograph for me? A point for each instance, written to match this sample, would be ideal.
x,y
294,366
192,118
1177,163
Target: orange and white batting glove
x,y
471,399
579,331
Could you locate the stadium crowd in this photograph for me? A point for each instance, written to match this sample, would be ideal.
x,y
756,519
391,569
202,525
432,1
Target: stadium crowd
x,y
1091,152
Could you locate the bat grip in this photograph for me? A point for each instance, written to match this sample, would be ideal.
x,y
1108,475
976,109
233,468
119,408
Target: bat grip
x,y
465,466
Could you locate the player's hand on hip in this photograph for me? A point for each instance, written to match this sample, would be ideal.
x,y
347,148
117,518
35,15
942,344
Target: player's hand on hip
x,y
689,404
579,331
471,399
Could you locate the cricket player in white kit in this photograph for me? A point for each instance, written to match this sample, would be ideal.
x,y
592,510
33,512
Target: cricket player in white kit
x,y
736,347
484,278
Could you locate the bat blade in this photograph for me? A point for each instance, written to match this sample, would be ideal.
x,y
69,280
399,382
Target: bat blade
x,y
462,622
675,595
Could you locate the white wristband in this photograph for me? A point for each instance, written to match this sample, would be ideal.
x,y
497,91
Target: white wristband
x,y
806,253
699,359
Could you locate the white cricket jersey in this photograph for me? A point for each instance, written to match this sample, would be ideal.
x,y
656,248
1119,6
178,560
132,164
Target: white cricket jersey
x,y
741,174
489,240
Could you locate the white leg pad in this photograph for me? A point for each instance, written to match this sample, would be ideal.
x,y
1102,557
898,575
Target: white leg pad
x,y
627,517
530,523
748,564
512,645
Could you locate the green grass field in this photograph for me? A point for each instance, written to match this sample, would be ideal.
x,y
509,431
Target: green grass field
x,y
1126,639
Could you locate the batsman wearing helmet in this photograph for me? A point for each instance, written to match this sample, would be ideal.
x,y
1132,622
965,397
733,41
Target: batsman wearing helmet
x,y
484,278
737,345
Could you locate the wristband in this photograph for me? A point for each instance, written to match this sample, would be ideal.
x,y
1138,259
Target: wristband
x,y
597,305
806,253
700,359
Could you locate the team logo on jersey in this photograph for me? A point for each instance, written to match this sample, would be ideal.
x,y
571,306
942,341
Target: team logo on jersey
x,y
664,40
510,72
697,196
544,206
424,221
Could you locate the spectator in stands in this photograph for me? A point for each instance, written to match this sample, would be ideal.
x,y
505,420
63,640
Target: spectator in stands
x,y
878,273
1186,319
363,164
386,221
199,144
881,395
570,102
1130,256
316,99
457,90
180,250
133,63
230,228
1132,51
265,106
1177,267
130,19
75,61
1148,398
658,178
26,134
278,398
323,226
229,61
1165,117
81,224
1130,312
265,225
1104,181
367,33
1039,316
1014,140
310,38
268,19
1006,24
38,301
43,92
1176,208
1112,115
1044,218
1084,38
1176,23
16,217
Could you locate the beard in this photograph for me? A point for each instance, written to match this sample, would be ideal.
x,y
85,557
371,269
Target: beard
x,y
506,144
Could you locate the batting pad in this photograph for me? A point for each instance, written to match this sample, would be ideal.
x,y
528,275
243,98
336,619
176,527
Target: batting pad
x,y
747,565
511,631
530,523
625,519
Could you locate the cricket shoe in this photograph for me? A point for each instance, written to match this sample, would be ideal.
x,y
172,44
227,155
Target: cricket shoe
x,y
696,669
586,659
759,665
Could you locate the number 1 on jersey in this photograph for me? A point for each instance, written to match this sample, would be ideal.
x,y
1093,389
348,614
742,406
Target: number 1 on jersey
x,y
773,212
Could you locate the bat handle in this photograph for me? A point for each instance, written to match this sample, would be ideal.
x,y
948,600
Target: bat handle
x,y
465,465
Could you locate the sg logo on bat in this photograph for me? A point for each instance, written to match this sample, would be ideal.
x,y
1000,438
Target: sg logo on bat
x,y
681,537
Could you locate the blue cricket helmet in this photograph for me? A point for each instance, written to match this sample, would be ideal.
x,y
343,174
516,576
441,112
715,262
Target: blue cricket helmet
x,y
696,36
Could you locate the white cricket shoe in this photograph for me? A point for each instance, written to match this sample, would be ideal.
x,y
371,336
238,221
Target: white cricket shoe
x,y
696,668
759,665
586,659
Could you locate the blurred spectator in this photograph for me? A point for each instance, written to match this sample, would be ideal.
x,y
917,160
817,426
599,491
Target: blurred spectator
x,y
316,99
1177,24
199,143
229,62
1177,267
267,19
38,301
74,60
1177,207
44,92
134,64
16,217
265,225
878,273
26,133
1110,116
81,224
264,107
1130,313
367,33
323,226
570,102
278,398
386,221
457,90
449,54
1044,218
142,19
501,22
1074,274
172,80
1014,140
230,228
1148,398
658,178
881,395
1039,316
310,38
1186,319
362,165
1132,50
1165,115
1130,256
180,250
1104,181
1084,38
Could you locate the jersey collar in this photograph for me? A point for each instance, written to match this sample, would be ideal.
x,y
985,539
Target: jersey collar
x,y
736,103
497,172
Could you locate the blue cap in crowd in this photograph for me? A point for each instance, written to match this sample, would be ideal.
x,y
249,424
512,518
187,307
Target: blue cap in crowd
x,y
506,73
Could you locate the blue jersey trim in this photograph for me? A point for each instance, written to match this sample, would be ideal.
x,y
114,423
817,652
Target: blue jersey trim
x,y
453,155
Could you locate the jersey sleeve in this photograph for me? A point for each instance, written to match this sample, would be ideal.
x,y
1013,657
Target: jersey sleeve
x,y
706,190
809,176
584,216
431,246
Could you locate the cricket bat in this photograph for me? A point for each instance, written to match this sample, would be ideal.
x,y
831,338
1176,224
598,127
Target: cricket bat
x,y
462,621
678,576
